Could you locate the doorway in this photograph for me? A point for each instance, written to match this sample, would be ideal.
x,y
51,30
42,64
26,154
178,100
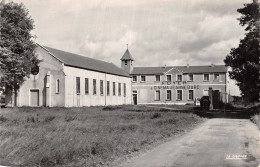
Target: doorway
x,y
135,97
34,97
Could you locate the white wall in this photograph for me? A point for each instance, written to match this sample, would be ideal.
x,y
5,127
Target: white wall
x,y
232,88
72,99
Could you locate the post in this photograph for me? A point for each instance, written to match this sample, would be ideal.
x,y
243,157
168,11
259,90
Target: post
x,y
210,98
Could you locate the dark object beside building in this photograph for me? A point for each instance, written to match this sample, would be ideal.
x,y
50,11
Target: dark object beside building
x,y
205,103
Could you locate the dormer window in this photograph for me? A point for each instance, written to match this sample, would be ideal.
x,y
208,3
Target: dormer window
x,y
125,62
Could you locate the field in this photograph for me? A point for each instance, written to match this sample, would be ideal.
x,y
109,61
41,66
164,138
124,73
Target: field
x,y
90,136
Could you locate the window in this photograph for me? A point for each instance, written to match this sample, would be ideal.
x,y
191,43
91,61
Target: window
x,y
179,94
142,78
57,86
206,77
191,95
114,88
216,77
119,89
101,88
190,77
157,95
86,86
134,78
124,89
125,62
35,70
108,88
169,77
169,95
157,78
94,86
78,85
205,92
179,77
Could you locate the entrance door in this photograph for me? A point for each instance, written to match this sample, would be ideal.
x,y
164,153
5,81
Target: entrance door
x,y
34,95
216,99
135,99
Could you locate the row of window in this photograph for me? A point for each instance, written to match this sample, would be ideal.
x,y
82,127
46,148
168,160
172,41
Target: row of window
x,y
179,95
101,87
178,77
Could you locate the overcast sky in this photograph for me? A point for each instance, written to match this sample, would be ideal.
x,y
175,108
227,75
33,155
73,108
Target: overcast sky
x,y
159,32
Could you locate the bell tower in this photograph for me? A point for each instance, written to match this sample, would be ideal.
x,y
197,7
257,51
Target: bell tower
x,y
127,61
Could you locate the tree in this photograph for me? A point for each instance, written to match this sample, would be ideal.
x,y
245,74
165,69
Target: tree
x,y
244,60
17,49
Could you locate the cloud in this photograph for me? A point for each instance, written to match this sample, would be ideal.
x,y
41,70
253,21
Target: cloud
x,y
108,50
158,32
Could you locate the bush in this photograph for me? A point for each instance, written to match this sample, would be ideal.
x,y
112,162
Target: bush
x,y
49,118
111,108
3,119
156,115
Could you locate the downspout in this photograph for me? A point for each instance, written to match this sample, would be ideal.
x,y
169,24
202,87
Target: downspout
x,y
105,87
226,88
65,101
225,92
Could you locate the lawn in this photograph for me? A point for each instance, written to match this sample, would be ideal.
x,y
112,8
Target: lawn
x,y
88,136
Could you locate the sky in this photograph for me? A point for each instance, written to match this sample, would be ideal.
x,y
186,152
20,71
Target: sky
x,y
158,32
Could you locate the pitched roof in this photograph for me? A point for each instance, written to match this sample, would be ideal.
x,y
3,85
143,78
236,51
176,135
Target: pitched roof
x,y
150,70
127,56
184,69
74,60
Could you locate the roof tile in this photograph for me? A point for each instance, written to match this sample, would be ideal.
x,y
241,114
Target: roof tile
x,y
185,69
127,56
74,60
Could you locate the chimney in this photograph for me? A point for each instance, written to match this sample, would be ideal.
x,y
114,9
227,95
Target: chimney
x,y
188,66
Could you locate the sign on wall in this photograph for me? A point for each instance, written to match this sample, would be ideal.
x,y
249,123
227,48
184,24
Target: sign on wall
x,y
175,85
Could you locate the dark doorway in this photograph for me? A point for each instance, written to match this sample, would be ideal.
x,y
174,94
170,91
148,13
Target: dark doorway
x,y
135,99
216,99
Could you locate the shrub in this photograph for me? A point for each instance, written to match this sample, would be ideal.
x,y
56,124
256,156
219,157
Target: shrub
x,y
156,115
3,119
111,108
70,118
31,119
49,118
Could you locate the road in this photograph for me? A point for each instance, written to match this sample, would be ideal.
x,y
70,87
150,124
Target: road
x,y
216,143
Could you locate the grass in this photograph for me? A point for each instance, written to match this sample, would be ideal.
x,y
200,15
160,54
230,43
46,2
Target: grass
x,y
91,136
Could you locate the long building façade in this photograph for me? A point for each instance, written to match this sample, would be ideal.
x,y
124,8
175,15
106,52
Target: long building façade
x,y
65,79
176,84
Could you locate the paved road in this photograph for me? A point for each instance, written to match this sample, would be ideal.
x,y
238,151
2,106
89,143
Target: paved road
x,y
206,146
